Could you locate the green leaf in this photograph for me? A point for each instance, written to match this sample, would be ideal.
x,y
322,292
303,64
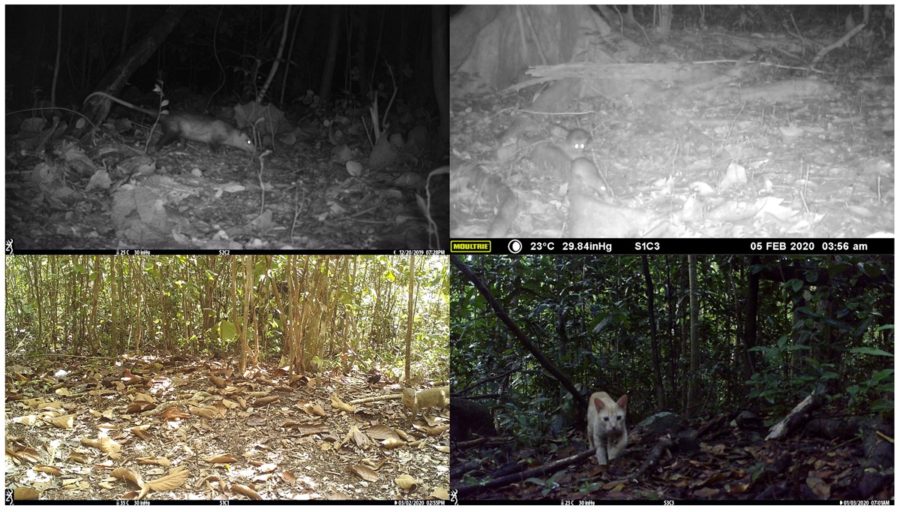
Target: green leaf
x,y
227,331
870,351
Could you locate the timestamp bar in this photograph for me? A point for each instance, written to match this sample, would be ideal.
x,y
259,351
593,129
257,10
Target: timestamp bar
x,y
674,246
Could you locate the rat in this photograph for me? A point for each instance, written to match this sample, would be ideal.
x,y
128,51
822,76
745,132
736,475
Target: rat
x,y
578,139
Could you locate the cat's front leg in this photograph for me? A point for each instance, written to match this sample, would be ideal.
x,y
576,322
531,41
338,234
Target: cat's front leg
x,y
619,446
600,444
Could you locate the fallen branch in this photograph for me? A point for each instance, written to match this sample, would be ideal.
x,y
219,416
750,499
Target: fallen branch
x,y
797,417
523,475
457,470
840,42
654,457
380,398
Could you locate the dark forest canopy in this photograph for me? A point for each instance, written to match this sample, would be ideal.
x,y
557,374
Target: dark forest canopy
x,y
768,331
209,44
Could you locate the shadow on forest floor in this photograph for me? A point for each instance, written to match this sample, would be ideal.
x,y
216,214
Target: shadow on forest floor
x,y
98,429
722,459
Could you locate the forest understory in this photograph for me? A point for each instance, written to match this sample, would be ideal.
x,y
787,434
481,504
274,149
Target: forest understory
x,y
723,459
181,429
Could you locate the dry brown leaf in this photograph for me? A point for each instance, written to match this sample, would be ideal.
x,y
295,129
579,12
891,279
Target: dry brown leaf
x,y
67,421
406,482
819,487
174,413
110,448
27,454
246,491
79,457
218,381
33,403
706,492
144,397
141,432
288,477
392,443
256,421
436,431
441,493
128,476
55,405
158,461
63,392
441,448
173,480
268,468
375,464
229,404
225,458
364,472
50,470
381,432
25,493
313,409
208,412
266,400
403,435
139,406
75,484
337,403
613,485
360,438
29,420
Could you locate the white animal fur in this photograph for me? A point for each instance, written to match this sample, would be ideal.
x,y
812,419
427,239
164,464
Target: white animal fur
x,y
606,430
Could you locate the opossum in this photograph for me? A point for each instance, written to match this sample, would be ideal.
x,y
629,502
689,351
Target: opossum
x,y
191,127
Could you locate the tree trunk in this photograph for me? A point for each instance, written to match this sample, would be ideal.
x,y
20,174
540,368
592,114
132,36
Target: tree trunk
x,y
334,33
136,56
692,378
440,63
409,313
517,332
654,343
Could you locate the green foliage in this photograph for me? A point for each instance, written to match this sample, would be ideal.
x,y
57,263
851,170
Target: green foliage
x,y
548,485
876,393
588,316
773,384
227,331
341,304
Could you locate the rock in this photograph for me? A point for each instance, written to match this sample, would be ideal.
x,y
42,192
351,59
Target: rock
x,y
661,423
469,416
747,420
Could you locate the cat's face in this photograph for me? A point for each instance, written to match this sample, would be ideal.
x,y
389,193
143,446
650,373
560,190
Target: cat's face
x,y
611,416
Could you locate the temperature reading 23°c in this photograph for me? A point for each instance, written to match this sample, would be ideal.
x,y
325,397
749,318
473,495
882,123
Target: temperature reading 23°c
x,y
542,246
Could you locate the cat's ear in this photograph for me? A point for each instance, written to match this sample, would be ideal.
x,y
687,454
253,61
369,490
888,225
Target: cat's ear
x,y
623,401
598,404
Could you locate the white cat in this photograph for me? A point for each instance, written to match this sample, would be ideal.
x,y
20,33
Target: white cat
x,y
606,429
